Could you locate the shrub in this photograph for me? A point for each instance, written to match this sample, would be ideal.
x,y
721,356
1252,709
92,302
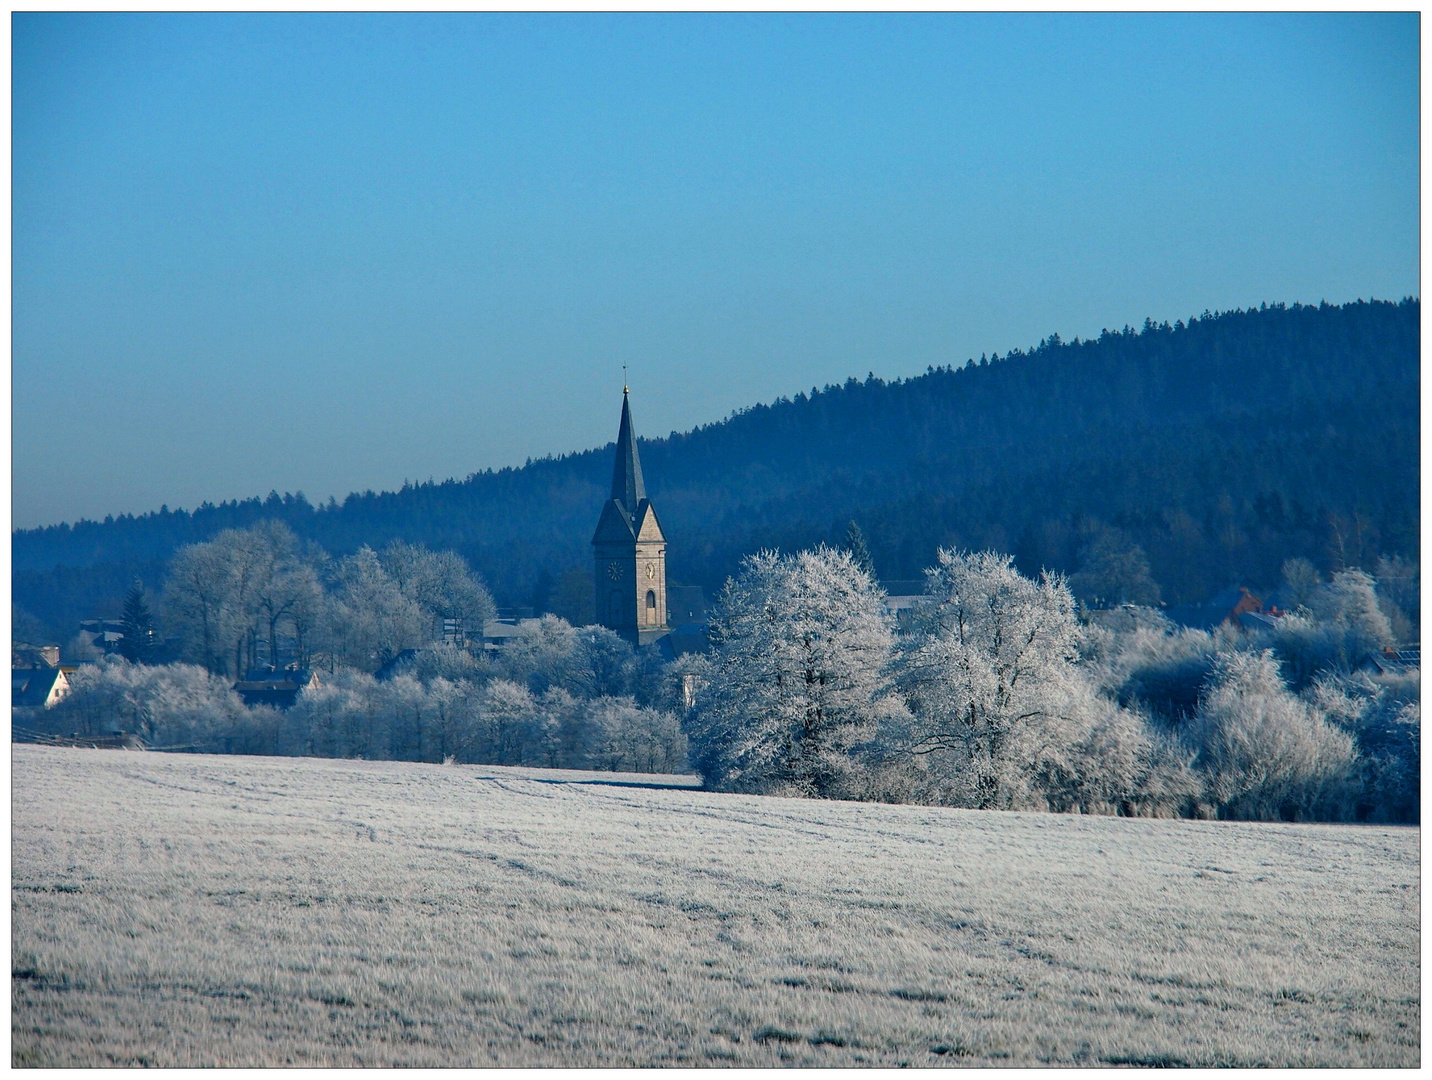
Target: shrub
x,y
1266,753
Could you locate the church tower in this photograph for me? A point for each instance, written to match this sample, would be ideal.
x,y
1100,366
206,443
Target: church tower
x,y
630,550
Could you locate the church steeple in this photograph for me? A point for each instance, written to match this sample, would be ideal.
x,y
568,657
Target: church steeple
x,y
627,486
630,549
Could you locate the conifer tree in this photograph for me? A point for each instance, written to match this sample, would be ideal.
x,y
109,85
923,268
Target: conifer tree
x,y
138,644
859,550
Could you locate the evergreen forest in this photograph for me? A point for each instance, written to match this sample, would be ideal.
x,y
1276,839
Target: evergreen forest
x,y
1157,465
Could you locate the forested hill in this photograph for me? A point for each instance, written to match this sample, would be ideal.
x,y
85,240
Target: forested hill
x,y
1219,448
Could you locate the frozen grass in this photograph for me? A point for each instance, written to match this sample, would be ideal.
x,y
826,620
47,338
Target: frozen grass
x,y
175,910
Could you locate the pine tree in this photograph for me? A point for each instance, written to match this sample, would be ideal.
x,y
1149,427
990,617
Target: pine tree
x,y
859,550
138,644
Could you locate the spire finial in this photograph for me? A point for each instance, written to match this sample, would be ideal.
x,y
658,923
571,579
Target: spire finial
x,y
624,379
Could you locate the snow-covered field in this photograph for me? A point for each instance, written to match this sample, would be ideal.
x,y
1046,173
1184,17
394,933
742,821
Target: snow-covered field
x,y
177,910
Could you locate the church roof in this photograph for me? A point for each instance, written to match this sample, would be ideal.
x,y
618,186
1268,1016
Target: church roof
x,y
627,485
617,525
627,515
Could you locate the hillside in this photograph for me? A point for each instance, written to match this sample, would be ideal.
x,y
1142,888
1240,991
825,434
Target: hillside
x,y
270,911
1221,448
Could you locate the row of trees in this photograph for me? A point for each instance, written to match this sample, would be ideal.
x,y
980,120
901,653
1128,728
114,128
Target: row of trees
x,y
558,697
996,693
995,696
261,596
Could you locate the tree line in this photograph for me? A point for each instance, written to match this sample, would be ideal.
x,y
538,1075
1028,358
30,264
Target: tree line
x,y
994,694
260,596
251,601
998,691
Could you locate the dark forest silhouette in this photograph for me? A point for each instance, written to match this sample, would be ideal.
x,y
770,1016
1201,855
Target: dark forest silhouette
x,y
1201,455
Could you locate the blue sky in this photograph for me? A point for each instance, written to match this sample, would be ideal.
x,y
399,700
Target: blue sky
x,y
328,253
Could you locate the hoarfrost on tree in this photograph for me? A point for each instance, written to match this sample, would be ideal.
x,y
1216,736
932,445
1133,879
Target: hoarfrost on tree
x,y
798,681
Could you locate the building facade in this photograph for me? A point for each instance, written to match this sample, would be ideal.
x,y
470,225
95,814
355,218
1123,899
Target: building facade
x,y
629,549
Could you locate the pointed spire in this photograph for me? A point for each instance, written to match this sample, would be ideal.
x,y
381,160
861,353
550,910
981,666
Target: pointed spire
x,y
627,486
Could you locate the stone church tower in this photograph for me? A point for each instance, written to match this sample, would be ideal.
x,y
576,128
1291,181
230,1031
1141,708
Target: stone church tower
x,y
630,550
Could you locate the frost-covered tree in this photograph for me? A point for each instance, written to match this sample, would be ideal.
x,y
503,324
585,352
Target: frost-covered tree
x,y
339,717
198,605
1104,758
1003,715
608,666
228,600
511,728
287,595
544,652
452,663
629,738
588,661
171,705
1383,715
1266,753
988,670
404,704
1300,580
796,681
452,713
370,619
1156,665
1341,624
441,583
1350,600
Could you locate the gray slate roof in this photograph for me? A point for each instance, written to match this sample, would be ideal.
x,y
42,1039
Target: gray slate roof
x,y
628,488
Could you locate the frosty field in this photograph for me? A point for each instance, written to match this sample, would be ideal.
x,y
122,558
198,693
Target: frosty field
x,y
187,910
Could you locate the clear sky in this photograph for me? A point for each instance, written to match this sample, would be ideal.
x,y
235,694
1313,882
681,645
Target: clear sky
x,y
328,253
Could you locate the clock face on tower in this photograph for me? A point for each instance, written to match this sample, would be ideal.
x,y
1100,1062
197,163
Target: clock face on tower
x,y
614,571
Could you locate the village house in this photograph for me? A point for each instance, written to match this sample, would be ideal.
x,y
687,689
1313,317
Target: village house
x,y
277,687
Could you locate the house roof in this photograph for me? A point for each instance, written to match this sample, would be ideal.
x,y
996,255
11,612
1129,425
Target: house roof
x,y
500,630
1393,660
259,679
404,661
691,638
685,603
1257,620
32,687
1226,607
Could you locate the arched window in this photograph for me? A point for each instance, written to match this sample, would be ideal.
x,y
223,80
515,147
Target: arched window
x,y
650,600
